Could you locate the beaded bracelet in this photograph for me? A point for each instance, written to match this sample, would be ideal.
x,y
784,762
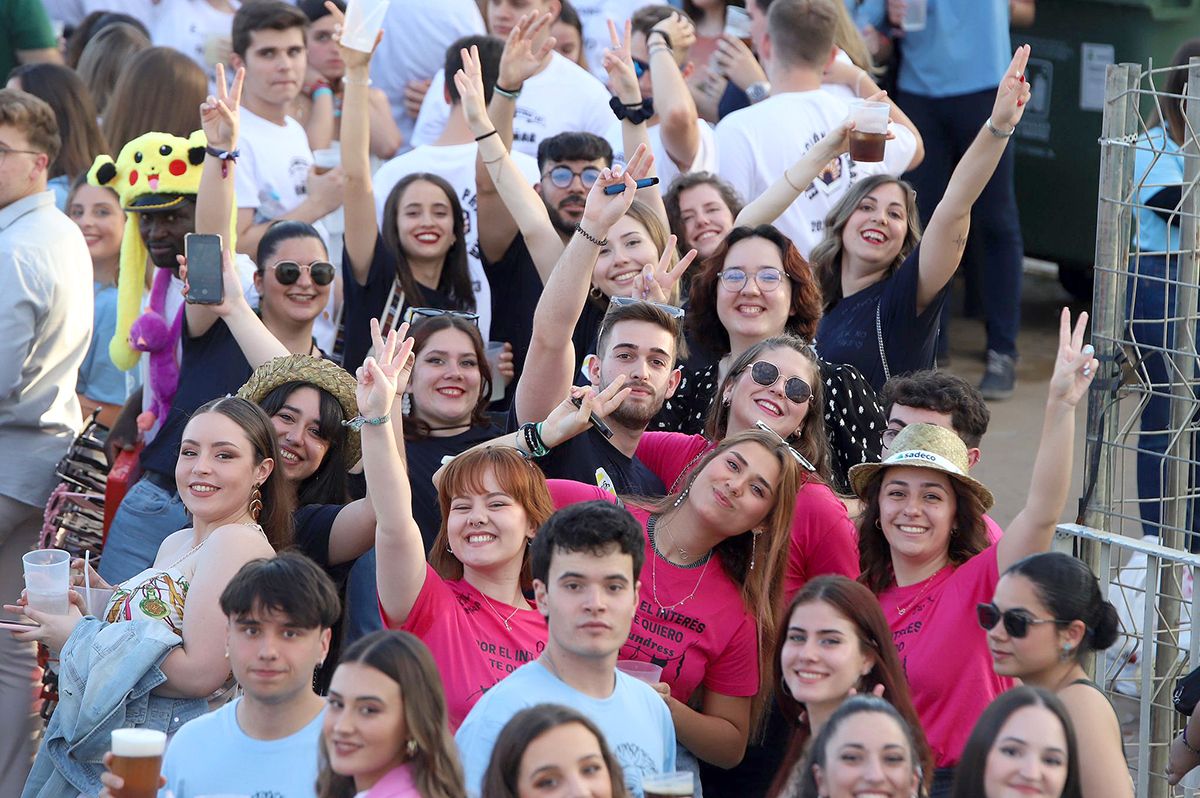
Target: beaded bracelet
x,y
600,242
357,422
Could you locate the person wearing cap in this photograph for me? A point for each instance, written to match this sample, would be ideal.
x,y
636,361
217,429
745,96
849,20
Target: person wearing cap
x,y
924,551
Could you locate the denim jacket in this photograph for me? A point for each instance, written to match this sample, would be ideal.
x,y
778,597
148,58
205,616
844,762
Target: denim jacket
x,y
106,674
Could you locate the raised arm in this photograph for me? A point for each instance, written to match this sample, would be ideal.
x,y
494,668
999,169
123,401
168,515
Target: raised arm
x,y
551,352
771,204
618,62
399,550
257,343
673,101
864,87
1033,529
946,235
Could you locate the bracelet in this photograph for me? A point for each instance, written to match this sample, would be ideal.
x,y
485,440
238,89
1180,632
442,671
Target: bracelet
x,y
493,132
226,157
666,39
600,242
533,440
660,48
1186,744
314,87
353,82
509,93
357,422
321,91
497,159
790,183
637,113
997,132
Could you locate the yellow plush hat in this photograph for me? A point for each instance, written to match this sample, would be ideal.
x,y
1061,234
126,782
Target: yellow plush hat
x,y
153,172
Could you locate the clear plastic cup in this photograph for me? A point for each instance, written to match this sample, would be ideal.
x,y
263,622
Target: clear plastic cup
x,y
364,18
914,15
870,130
646,672
680,784
328,158
48,580
737,23
95,599
493,351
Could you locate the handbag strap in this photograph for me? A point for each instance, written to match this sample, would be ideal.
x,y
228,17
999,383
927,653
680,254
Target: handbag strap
x,y
887,372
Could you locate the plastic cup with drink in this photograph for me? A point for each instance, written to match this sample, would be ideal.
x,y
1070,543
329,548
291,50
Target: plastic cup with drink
x,y
737,24
48,580
870,130
646,672
137,759
493,352
364,18
914,15
328,158
680,784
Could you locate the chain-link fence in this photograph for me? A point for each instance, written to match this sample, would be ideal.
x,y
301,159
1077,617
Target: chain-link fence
x,y
1140,479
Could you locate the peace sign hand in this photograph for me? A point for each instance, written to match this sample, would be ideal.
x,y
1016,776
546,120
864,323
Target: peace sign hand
x,y
1014,92
1076,365
601,211
656,281
618,63
381,377
469,82
219,115
520,60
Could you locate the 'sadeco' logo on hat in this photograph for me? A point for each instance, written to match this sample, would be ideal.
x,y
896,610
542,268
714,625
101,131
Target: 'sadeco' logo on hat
x,y
918,455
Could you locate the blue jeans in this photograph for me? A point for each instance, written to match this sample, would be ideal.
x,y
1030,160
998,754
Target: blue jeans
x,y
995,250
1152,307
147,515
362,600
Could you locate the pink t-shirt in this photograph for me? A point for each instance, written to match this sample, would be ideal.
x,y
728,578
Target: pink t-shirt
x,y
710,639
823,538
396,783
945,653
472,648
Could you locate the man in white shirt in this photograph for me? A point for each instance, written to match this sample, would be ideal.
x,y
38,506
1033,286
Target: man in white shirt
x,y
561,96
279,614
757,144
275,177
45,328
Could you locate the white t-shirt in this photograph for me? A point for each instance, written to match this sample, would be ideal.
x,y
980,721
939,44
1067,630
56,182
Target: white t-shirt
x,y
455,163
416,35
272,172
757,144
211,755
666,169
561,97
593,17
196,29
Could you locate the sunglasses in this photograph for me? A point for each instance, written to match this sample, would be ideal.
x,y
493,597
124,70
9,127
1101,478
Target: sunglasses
x,y
561,176
288,272
640,67
1016,623
795,389
767,280
413,314
799,458
674,312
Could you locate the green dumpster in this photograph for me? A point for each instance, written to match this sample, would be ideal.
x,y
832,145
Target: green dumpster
x,y
1057,154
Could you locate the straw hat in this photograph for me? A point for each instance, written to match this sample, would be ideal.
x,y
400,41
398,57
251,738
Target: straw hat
x,y
925,446
324,374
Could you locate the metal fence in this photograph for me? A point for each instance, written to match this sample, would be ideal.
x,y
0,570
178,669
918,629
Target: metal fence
x,y
1140,477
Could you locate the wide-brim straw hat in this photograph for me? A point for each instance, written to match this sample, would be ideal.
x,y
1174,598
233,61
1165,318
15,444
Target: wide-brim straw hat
x,y
925,446
323,374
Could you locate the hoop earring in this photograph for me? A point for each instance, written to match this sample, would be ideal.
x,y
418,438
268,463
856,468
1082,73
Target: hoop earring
x,y
877,526
682,497
784,688
256,505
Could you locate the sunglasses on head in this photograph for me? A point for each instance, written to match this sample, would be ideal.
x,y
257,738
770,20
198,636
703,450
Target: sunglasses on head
x,y
795,389
561,176
799,458
1016,622
415,314
288,272
674,312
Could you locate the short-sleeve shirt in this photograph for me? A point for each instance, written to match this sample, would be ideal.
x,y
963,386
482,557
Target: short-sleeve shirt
x,y
823,540
25,26
591,459
465,632
943,651
1152,173
847,333
272,172
705,636
99,378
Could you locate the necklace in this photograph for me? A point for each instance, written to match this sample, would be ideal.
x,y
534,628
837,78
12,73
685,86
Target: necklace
x,y
928,583
503,620
684,554
654,572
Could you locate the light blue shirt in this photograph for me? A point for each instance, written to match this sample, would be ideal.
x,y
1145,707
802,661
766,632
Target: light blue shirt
x,y
634,720
964,48
99,378
1153,171
211,755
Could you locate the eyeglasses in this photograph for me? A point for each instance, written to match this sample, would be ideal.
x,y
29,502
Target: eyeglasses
x,y
9,150
767,280
674,312
640,67
795,389
799,458
413,314
561,176
288,272
890,434
1016,623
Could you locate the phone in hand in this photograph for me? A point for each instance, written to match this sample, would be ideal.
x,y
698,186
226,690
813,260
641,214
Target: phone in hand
x,y
18,626
205,282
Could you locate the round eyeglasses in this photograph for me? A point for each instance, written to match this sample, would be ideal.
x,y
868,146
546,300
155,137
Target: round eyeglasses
x,y
735,278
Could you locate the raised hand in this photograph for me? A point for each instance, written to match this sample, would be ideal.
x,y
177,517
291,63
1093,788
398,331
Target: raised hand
x,y
354,59
1014,92
469,82
601,210
233,299
566,421
736,61
680,32
219,114
656,281
1076,365
618,63
521,59
386,373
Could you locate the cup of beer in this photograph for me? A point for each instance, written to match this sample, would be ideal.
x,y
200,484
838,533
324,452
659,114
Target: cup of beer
x,y
870,130
48,580
137,758
680,784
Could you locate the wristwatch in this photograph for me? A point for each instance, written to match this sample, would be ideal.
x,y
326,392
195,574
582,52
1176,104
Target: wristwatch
x,y
757,92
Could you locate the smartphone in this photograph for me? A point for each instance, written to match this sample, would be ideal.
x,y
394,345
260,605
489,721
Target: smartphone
x,y
205,282
597,422
17,626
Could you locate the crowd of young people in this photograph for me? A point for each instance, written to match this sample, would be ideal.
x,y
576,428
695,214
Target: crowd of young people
x,y
484,421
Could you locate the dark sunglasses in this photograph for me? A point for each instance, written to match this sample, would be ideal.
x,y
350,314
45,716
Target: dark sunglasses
x,y
288,271
640,67
1016,623
412,314
795,389
561,176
